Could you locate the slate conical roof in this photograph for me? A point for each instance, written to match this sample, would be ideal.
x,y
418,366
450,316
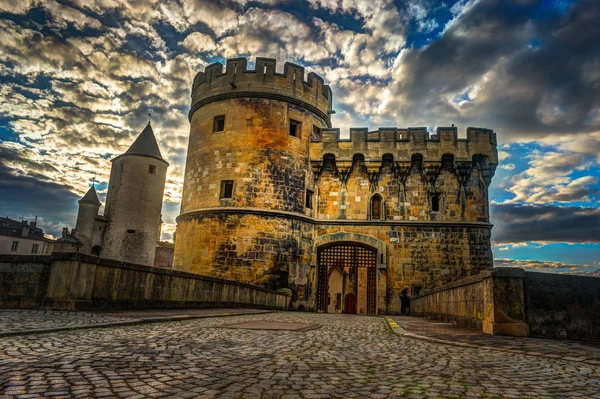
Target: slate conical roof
x,y
145,144
91,197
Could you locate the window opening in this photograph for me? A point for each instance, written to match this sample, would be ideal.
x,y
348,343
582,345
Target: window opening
x,y
309,199
435,202
376,207
34,248
151,169
219,123
226,189
316,133
15,246
294,128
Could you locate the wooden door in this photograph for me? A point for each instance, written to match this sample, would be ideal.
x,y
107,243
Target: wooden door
x,y
350,304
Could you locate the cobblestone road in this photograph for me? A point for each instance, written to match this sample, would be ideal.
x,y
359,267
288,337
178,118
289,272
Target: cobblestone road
x,y
20,321
348,356
579,350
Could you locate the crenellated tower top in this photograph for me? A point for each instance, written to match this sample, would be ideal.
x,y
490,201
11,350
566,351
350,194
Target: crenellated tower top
x,y
403,143
237,80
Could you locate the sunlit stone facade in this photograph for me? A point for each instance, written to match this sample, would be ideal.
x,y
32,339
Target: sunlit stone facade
x,y
274,196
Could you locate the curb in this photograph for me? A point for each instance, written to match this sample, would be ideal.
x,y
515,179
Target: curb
x,y
130,323
402,332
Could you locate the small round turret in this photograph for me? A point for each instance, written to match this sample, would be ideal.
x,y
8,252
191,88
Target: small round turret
x,y
86,218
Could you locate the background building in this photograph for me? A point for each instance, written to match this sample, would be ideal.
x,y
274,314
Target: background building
x,y
274,196
23,238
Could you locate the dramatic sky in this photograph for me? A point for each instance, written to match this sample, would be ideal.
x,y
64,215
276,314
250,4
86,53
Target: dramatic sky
x,y
79,76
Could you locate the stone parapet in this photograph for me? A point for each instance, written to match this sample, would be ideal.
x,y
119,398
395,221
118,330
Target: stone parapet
x,y
493,301
403,143
237,80
75,281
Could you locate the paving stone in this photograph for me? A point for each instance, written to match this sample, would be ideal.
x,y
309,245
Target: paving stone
x,y
346,357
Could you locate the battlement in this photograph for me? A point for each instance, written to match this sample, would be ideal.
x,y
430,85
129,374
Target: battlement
x,y
215,84
403,143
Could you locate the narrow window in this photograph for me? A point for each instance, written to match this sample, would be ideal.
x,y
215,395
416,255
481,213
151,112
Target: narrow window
x,y
226,189
316,133
15,246
219,123
309,199
34,248
435,202
130,231
295,128
151,169
416,290
376,207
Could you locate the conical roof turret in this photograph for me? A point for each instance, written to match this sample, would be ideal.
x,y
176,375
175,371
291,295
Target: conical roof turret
x,y
146,145
91,197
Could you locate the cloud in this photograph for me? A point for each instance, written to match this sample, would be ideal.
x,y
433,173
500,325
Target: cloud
x,y
15,6
544,223
549,178
549,266
507,166
199,42
497,66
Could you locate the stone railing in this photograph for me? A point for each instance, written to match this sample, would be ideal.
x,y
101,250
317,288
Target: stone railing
x,y
510,301
492,301
74,281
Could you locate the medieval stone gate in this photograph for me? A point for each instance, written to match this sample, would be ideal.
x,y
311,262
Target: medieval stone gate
x,y
356,267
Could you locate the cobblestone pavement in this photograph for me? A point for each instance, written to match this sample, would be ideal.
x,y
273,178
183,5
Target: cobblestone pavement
x,y
18,321
580,350
12,321
348,356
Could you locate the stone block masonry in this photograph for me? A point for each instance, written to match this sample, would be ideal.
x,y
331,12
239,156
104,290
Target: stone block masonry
x,y
72,281
23,281
507,301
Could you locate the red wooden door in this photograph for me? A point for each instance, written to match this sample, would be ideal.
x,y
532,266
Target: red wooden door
x,y
350,304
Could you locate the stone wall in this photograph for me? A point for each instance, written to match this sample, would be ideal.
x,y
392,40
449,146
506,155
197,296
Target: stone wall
x,y
460,303
492,301
510,301
560,306
23,280
74,281
257,248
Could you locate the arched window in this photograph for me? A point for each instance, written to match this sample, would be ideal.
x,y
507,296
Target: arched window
x,y
448,161
416,161
387,160
376,208
329,162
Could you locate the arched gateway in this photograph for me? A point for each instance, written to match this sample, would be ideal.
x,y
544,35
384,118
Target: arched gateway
x,y
347,268
349,273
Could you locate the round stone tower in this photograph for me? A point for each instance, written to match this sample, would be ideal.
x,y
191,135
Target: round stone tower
x,y
134,201
247,190
89,205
